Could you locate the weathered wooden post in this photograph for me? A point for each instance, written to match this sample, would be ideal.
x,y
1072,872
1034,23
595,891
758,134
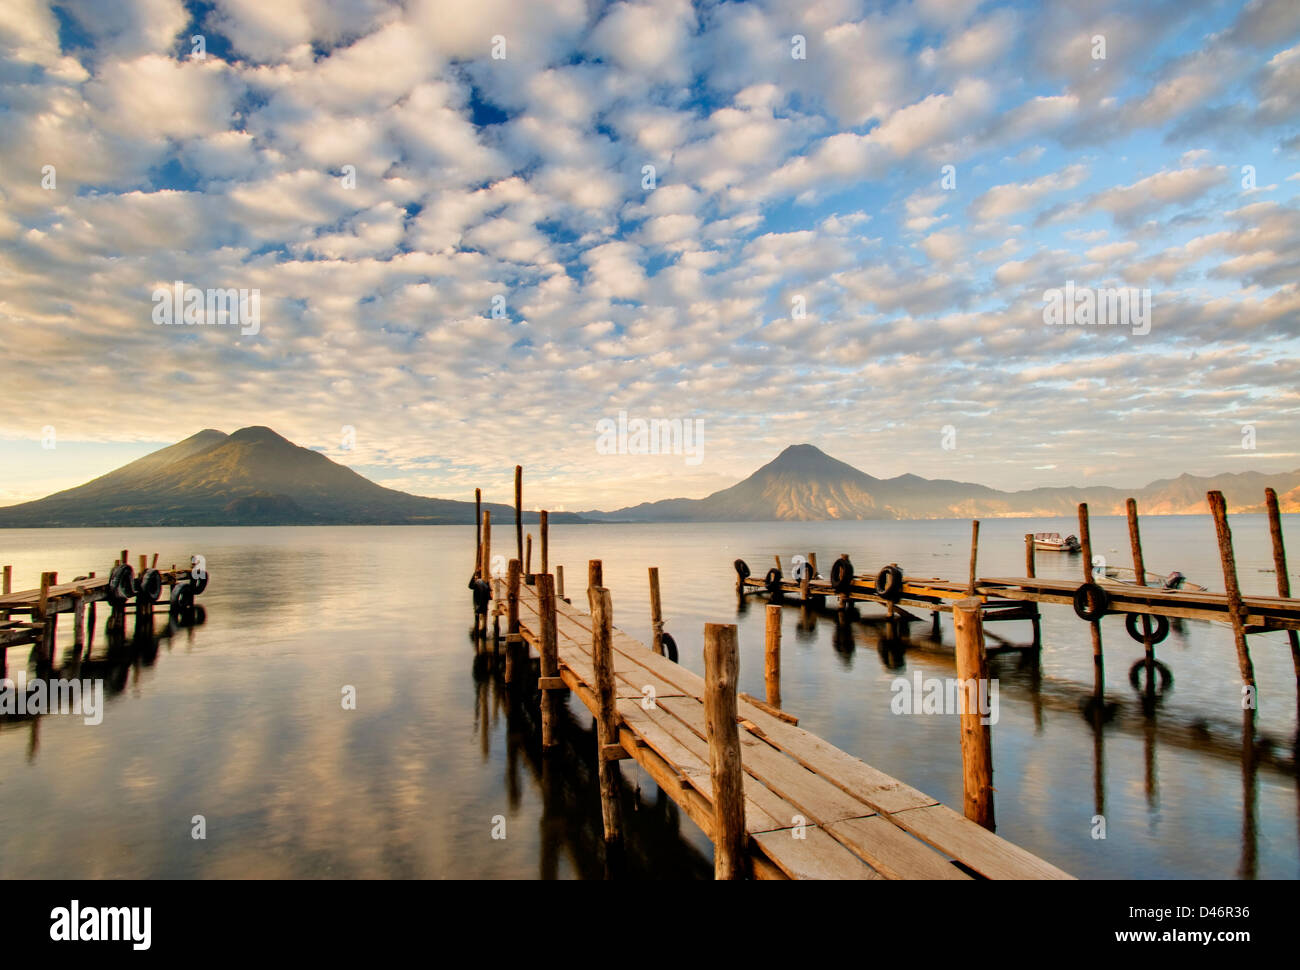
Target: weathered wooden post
x,y
595,575
42,615
528,558
7,587
90,624
1279,567
1140,577
804,572
519,512
721,674
772,655
79,622
549,680
512,619
559,582
602,612
1219,509
974,553
1029,556
656,613
812,558
1098,661
976,741
544,528
478,533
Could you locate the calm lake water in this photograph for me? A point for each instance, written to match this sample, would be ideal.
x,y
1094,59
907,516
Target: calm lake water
x,y
240,719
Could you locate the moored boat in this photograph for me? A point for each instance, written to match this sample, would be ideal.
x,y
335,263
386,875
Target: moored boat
x,y
1052,542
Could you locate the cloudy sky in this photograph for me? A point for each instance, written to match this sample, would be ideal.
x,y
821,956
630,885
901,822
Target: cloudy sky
x,y
740,214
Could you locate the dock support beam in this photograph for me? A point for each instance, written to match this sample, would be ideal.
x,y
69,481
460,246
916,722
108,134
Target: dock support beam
x,y
1219,509
519,512
544,529
602,613
550,666
1140,577
1279,567
772,656
976,741
721,673
513,639
974,553
656,613
1098,660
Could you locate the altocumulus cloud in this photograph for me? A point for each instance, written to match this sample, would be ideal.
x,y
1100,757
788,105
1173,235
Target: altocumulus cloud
x,y
657,208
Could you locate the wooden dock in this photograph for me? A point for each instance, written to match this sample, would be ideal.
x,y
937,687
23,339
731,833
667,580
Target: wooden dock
x,y
811,811
169,589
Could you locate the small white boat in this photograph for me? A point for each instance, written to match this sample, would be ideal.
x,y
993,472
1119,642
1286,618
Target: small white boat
x,y
1175,580
1052,542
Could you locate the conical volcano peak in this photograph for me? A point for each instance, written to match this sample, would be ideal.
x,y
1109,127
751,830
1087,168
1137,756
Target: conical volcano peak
x,y
258,433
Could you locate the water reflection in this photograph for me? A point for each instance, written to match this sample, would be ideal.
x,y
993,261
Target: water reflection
x,y
1018,667
566,778
117,666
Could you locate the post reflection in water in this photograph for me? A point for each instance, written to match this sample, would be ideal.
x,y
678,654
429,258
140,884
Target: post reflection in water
x,y
117,667
567,781
1138,714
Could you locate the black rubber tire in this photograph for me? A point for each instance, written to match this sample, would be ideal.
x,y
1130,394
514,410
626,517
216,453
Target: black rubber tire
x,y
842,575
742,569
1091,593
121,584
773,580
670,646
1134,627
149,589
1135,675
182,598
889,584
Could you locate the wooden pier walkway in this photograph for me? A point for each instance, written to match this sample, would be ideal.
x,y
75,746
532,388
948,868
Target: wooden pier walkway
x,y
812,811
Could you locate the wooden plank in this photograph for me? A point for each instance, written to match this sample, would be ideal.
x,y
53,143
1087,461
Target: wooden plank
x,y
765,811
891,851
988,854
812,795
816,856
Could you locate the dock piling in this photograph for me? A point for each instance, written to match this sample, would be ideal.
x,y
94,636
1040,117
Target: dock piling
x,y
721,673
544,528
772,656
656,613
1098,660
974,553
1140,577
513,639
478,532
602,610
1029,555
519,512
1279,567
550,663
976,741
1219,509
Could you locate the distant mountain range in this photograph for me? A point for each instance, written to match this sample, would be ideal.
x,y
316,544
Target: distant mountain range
x,y
805,483
251,477
256,477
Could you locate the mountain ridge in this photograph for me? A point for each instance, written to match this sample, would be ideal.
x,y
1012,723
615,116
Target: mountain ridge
x,y
253,476
784,490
